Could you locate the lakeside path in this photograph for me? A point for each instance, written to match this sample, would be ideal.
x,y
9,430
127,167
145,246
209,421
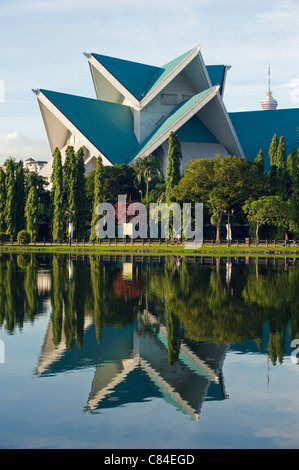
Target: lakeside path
x,y
154,249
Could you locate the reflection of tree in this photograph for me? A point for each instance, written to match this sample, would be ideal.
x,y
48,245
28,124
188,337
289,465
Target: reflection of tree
x,y
58,273
18,290
69,315
96,275
193,299
68,299
276,346
30,285
210,310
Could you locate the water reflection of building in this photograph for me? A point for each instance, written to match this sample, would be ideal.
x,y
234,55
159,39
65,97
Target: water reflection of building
x,y
127,283
43,281
51,354
133,367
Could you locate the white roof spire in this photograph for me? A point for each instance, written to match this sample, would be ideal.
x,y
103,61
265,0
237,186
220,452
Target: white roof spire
x,y
269,102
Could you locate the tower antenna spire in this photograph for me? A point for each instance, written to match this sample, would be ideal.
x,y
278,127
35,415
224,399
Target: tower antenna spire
x,y
269,102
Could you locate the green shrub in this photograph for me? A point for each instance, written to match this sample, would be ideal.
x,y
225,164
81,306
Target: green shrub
x,y
23,237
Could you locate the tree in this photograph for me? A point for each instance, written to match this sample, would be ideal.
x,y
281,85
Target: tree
x,y
57,198
20,196
80,196
147,170
273,150
98,195
278,178
2,201
11,198
221,183
31,213
70,180
260,161
173,165
280,160
293,172
266,209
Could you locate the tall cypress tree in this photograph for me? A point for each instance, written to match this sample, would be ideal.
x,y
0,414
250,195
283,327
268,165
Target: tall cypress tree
x,y
70,183
80,199
20,196
273,150
2,201
279,180
11,202
293,172
280,160
98,195
57,198
173,165
31,213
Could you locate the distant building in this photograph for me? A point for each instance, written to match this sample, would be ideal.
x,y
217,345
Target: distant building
x,y
138,105
269,102
34,165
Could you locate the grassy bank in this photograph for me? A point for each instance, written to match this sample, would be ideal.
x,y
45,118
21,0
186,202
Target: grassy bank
x,y
154,249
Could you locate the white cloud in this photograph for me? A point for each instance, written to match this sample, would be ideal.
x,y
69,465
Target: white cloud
x,y
285,12
292,88
20,147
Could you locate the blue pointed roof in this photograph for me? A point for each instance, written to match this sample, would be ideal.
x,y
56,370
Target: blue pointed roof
x,y
136,77
108,126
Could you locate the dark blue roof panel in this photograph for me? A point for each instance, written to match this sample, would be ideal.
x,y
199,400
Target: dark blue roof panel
x,y
134,76
108,126
255,130
217,75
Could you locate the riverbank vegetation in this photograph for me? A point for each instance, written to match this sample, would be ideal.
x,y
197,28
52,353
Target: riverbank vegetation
x,y
260,198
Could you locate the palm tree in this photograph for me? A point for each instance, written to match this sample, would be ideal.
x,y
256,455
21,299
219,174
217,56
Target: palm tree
x,y
148,168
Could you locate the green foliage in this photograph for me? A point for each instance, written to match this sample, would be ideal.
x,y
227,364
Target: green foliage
x,y
221,184
31,213
272,209
278,177
80,198
98,195
11,198
260,161
148,174
74,190
70,178
173,165
23,237
57,198
20,195
273,150
2,201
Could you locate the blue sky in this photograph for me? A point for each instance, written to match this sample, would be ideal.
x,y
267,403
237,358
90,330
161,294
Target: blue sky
x,y
42,44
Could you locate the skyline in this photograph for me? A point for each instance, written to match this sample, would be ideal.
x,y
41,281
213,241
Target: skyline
x,y
42,46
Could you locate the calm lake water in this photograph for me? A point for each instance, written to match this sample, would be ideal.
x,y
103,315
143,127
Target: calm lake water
x,y
139,353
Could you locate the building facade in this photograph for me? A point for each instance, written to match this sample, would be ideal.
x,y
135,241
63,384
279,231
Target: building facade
x,y
138,105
